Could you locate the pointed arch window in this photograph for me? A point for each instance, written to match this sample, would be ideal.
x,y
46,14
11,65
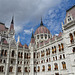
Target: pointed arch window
x,y
56,66
52,50
38,68
73,49
49,67
64,65
10,69
71,38
59,47
1,68
43,68
13,52
62,46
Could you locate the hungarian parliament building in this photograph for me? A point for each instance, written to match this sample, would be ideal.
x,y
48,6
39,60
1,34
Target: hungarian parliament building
x,y
45,55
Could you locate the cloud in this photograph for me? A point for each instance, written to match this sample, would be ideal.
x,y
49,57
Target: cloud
x,y
28,31
24,11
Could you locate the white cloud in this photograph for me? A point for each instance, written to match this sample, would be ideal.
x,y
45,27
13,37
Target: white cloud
x,y
24,11
28,31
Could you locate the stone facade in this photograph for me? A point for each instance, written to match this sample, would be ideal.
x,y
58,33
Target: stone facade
x,y
45,55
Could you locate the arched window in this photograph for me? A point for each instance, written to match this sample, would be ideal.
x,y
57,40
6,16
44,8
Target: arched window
x,y
38,68
59,47
52,50
1,68
64,65
53,58
34,55
41,36
60,56
34,69
2,52
43,68
21,55
4,61
26,69
63,55
18,54
45,36
62,46
10,69
55,49
73,49
37,36
2,39
13,53
56,66
49,67
24,55
19,69
5,52
71,38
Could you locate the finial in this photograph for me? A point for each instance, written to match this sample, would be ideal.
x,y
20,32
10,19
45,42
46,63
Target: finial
x,y
41,24
12,22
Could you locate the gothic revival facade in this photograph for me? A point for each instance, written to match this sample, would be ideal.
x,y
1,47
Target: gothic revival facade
x,y
45,55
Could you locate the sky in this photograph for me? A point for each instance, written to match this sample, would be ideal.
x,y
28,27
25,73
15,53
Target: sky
x,y
27,15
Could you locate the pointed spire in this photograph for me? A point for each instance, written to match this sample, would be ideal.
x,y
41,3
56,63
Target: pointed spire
x,y
32,35
12,23
41,24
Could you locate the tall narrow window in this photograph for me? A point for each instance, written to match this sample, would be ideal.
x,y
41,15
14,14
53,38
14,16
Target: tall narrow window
x,y
10,69
19,69
62,46
71,38
59,47
34,55
1,68
52,50
56,66
63,55
13,53
55,49
73,49
38,69
64,65
49,67
34,69
18,54
5,52
43,68
26,69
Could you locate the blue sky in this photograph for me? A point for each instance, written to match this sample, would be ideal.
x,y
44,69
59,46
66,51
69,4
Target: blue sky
x,y
52,20
28,15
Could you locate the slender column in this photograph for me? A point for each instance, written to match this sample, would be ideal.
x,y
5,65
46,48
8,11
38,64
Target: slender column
x,y
23,62
16,73
32,63
8,61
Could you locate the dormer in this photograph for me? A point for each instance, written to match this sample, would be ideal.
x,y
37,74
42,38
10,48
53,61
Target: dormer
x,y
69,18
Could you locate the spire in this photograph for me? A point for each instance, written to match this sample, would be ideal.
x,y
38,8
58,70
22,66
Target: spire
x,y
32,35
12,24
41,24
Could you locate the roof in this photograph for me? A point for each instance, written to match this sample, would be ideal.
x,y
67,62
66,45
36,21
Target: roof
x,y
42,29
70,8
